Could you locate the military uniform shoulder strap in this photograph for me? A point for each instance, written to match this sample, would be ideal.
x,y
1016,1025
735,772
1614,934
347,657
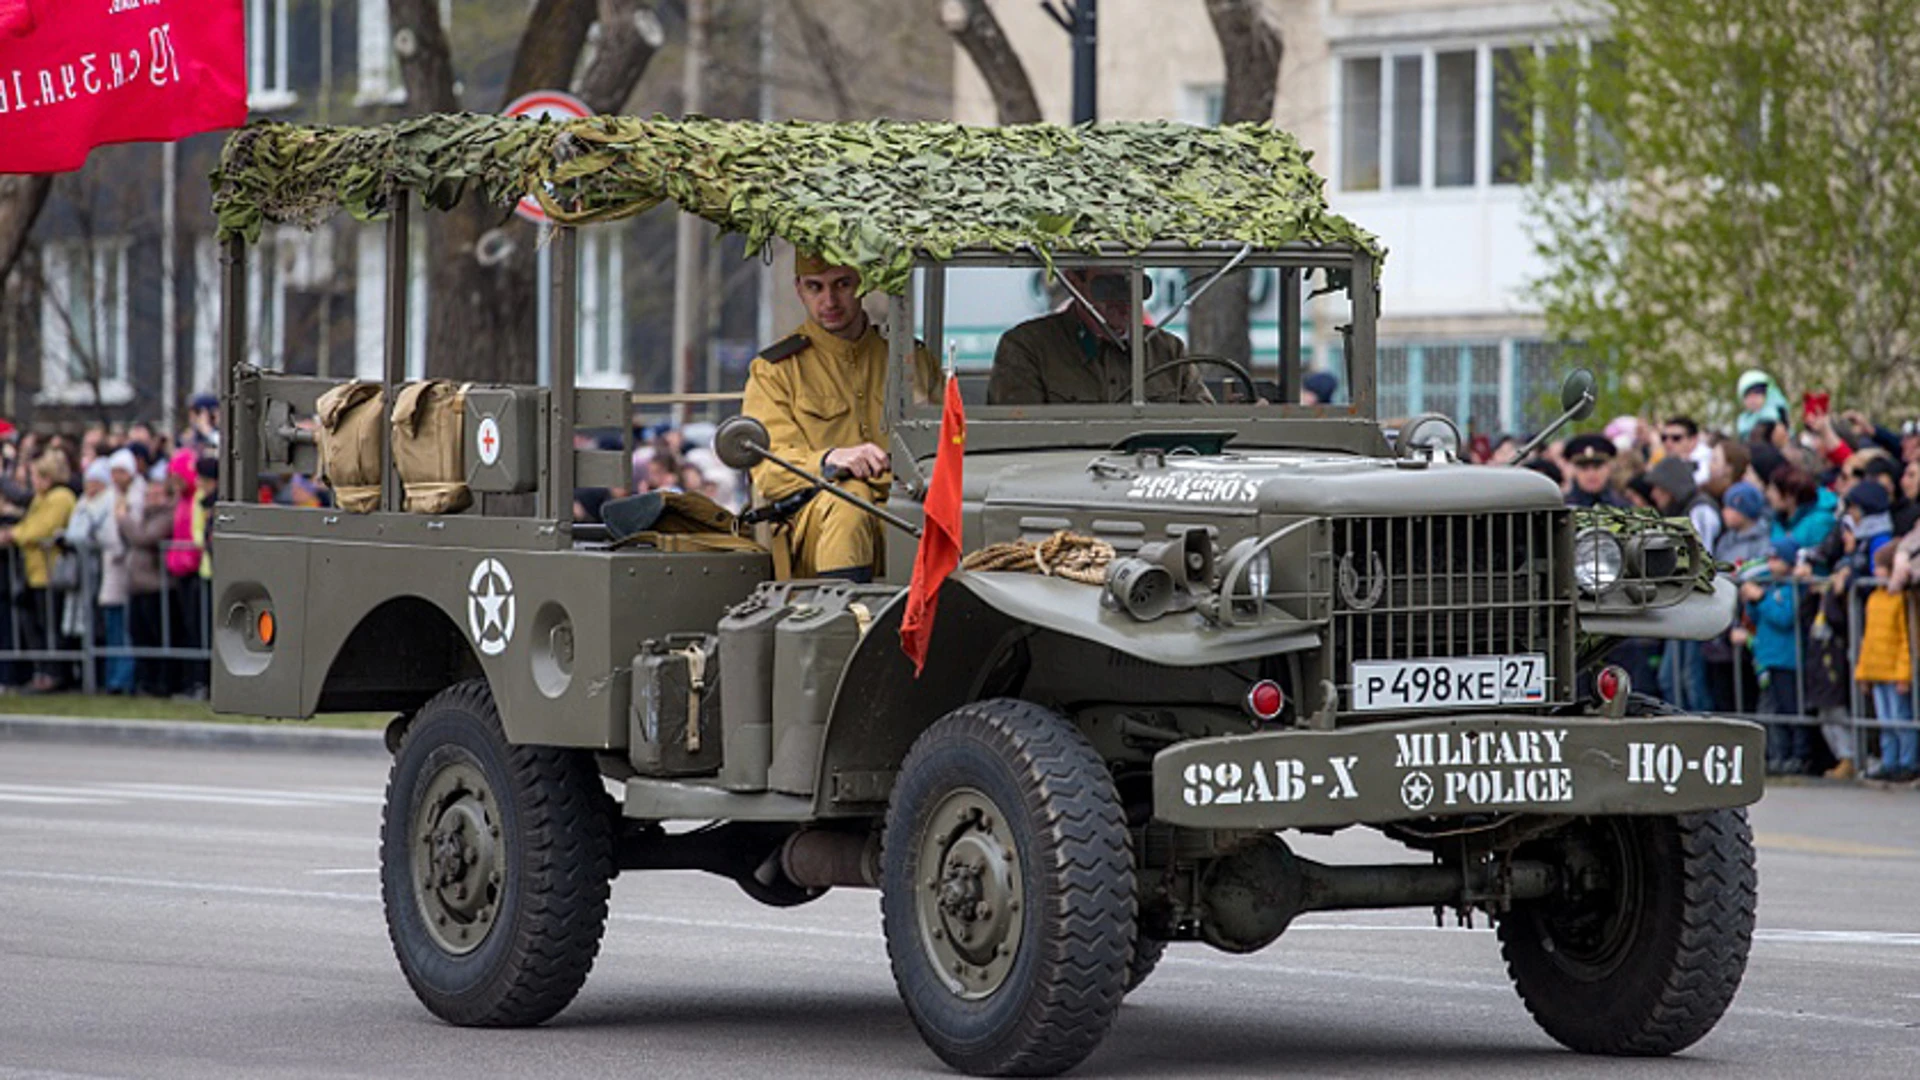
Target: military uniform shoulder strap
x,y
784,348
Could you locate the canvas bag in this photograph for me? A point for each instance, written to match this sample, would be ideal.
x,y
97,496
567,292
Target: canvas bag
x,y
429,446
349,438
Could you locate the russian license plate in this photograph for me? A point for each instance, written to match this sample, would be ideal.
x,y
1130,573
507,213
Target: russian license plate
x,y
1453,683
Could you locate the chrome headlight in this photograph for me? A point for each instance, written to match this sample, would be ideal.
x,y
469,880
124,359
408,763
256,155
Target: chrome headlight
x,y
1598,561
1246,577
1257,582
1432,436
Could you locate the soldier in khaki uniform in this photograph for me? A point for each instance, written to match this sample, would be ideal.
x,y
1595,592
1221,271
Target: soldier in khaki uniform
x,y
821,394
1069,357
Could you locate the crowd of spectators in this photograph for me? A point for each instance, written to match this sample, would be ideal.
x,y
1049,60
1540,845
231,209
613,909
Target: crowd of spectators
x,y
665,458
1814,514
104,535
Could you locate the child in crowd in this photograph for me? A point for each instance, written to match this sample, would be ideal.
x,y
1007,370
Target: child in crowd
x,y
1885,669
1776,653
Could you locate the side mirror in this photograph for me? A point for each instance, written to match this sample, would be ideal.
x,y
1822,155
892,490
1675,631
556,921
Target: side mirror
x,y
1578,394
740,442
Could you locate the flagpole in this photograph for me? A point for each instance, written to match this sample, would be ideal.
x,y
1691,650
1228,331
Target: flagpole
x,y
169,302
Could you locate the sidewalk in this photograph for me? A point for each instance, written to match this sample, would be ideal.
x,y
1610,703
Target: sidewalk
x,y
272,735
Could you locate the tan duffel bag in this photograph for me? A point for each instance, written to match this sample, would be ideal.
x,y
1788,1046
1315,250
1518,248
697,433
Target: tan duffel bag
x,y
429,446
349,438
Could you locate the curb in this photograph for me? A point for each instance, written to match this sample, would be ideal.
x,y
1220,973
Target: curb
x,y
280,737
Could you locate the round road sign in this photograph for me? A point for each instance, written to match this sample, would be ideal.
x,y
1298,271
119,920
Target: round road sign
x,y
557,104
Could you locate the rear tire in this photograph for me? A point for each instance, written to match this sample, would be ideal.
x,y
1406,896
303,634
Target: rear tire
x,y
1146,956
1641,952
495,865
1007,891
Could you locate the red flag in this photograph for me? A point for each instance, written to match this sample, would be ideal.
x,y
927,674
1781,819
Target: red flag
x,y
75,75
939,550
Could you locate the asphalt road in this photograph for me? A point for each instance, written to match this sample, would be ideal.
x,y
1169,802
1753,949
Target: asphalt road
x,y
210,913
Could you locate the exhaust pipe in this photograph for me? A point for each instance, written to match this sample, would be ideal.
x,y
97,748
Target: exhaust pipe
x,y
829,858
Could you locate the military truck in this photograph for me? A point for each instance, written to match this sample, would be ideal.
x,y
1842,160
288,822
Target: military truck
x,y
1189,629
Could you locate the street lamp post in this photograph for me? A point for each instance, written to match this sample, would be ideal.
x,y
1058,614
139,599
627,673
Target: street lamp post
x,y
1081,20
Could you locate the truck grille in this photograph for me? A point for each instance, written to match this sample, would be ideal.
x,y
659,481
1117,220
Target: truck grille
x,y
1453,585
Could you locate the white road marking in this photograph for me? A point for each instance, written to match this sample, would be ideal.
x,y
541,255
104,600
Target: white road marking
x,y
752,927
185,886
117,793
1241,966
1768,936
1837,937
51,800
1772,936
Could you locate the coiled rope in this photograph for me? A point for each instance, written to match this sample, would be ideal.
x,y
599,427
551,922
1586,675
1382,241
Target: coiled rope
x,y
1064,555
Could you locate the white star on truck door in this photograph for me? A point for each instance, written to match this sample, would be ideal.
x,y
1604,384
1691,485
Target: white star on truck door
x,y
490,606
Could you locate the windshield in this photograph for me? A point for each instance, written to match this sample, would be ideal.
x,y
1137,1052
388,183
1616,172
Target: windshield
x,y
1223,332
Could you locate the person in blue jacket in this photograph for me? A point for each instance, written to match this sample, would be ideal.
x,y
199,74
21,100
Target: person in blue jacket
x,y
1772,630
1803,511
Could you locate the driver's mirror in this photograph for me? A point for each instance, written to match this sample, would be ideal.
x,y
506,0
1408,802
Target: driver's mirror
x,y
740,442
1578,394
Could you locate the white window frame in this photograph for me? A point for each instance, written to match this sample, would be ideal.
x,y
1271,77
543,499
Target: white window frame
x,y
1429,111
601,361
206,315
1202,103
268,87
58,386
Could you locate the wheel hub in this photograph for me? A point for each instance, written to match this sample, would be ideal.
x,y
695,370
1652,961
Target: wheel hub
x,y
1593,928
457,858
970,895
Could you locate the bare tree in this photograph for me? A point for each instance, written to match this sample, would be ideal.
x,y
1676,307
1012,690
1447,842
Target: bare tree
x,y
78,319
1221,321
21,198
972,24
480,317
827,57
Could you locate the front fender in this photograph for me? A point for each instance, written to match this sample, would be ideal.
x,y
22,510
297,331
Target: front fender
x,y
1699,617
880,706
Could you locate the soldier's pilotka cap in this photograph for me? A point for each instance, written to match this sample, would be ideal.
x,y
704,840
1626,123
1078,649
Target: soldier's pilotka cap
x,y
807,262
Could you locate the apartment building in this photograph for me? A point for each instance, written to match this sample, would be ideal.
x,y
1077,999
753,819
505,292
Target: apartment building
x,y
87,322
1403,103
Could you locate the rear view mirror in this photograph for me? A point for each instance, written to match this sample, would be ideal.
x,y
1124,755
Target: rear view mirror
x,y
1578,394
740,441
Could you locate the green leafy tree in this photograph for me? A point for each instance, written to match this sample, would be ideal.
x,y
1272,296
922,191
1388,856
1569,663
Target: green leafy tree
x,y
1719,185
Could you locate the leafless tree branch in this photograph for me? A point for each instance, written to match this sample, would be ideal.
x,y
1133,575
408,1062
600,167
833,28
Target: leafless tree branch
x,y
828,57
972,24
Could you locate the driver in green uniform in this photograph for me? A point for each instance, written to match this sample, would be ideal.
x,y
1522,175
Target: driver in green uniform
x,y
1076,355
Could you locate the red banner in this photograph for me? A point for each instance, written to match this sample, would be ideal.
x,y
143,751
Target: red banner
x,y
939,550
76,74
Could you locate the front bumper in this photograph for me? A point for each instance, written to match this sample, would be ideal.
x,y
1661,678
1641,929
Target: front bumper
x,y
1466,764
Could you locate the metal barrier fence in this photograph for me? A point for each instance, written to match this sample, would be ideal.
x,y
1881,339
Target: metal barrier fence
x,y
156,643
1858,720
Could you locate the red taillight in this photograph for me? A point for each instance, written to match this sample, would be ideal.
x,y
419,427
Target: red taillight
x,y
1265,699
1612,683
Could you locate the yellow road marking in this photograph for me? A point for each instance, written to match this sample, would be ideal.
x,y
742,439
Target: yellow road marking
x,y
1817,845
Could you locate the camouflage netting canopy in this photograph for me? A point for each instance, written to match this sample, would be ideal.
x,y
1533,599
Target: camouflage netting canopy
x,y
871,195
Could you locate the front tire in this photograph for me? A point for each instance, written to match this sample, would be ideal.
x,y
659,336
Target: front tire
x,y
1643,948
1007,891
495,865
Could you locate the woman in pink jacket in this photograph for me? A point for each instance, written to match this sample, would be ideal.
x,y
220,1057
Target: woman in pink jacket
x,y
183,566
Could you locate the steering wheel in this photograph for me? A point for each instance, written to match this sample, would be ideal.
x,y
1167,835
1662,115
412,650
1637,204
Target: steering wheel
x,y
1236,368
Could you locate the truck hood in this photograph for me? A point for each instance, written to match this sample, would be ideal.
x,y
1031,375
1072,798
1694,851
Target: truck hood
x,y
1263,482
